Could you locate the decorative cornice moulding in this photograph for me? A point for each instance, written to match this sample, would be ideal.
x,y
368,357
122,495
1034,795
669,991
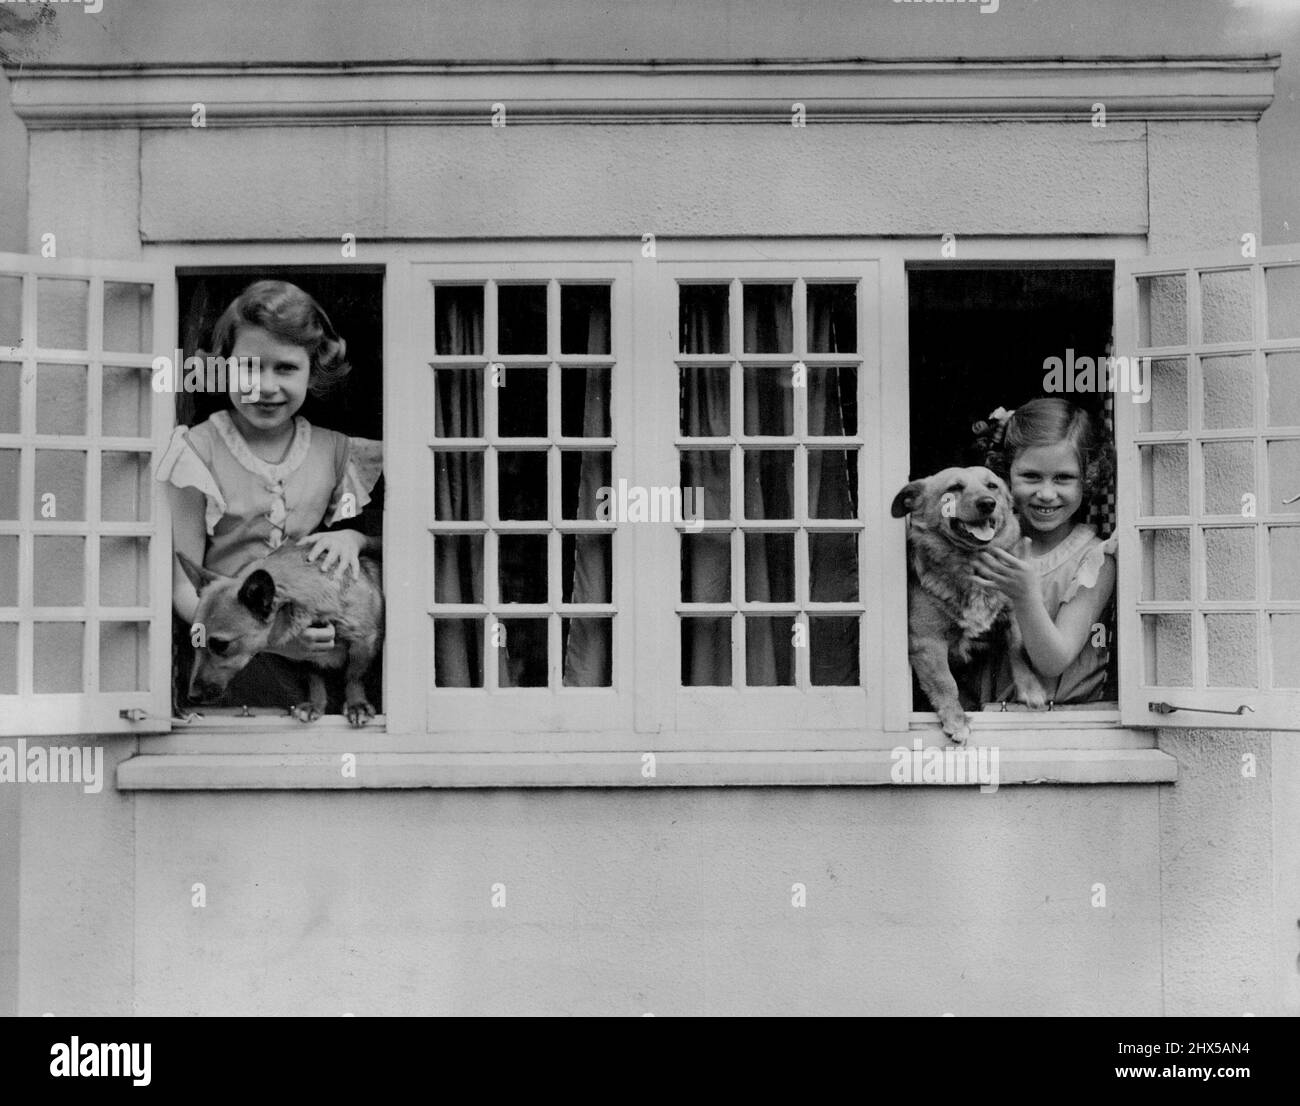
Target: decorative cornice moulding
x,y
158,95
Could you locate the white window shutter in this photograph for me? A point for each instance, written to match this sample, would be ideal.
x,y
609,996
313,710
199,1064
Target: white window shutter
x,y
85,539
1209,491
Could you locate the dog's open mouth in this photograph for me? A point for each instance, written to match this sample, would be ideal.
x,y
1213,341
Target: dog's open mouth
x,y
982,533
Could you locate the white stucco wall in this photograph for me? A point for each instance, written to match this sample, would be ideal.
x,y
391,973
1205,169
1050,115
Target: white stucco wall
x,y
676,901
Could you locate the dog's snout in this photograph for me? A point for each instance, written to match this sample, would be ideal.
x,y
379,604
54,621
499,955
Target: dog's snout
x,y
986,504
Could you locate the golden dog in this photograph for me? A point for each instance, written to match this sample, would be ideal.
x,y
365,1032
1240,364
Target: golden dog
x,y
956,514
263,609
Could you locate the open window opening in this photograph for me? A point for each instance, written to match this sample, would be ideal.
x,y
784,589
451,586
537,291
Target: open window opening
x,y
353,407
982,338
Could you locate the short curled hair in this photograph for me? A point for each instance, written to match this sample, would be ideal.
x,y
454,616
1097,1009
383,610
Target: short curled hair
x,y
1047,421
289,313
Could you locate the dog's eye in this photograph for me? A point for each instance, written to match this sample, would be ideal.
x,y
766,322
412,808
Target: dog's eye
x,y
956,488
991,487
218,645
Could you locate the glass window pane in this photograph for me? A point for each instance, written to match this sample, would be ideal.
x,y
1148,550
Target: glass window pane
x,y
521,654
11,397
126,400
61,399
1227,306
704,318
706,652
458,568
769,401
1164,480
586,568
521,319
458,652
521,485
1230,563
706,568
833,568
123,571
833,400
832,483
1282,285
833,651
9,461
124,656
832,318
1231,650
1284,633
458,320
1167,408
8,658
705,400
11,311
57,664
1229,475
458,403
61,313
588,645
1166,565
769,319
126,487
708,471
521,568
1162,310
521,404
1229,384
1284,477
1284,562
8,570
584,403
458,486
1167,639
583,473
60,474
1283,372
128,317
769,568
769,651
769,483
60,579
584,318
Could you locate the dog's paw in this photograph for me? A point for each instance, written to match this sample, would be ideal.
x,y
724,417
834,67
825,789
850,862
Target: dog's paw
x,y
359,713
1033,696
957,729
305,712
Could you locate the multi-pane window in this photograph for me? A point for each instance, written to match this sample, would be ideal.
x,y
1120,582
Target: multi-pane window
x,y
79,558
769,443
523,444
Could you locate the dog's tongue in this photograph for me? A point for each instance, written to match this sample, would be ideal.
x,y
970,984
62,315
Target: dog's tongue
x,y
984,531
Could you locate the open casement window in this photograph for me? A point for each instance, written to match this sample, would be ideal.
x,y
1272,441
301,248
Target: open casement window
x,y
1209,492
526,377
85,579
766,396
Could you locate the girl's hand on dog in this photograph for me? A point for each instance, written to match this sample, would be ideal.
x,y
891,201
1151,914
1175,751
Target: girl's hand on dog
x,y
1013,575
312,640
339,550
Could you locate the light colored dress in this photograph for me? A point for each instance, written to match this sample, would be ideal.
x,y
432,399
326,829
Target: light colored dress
x,y
251,506
1073,565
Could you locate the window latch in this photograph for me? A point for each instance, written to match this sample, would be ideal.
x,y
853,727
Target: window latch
x,y
1169,708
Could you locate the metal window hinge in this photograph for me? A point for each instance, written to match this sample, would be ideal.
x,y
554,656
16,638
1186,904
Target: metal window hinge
x,y
1169,708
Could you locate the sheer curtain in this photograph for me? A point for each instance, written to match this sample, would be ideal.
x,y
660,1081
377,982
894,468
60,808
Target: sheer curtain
x,y
458,489
768,565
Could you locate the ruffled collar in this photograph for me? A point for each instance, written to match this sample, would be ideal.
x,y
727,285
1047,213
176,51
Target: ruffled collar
x,y
272,474
1077,539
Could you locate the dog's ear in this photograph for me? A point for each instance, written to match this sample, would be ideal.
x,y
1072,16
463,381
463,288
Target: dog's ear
x,y
257,593
199,576
905,501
